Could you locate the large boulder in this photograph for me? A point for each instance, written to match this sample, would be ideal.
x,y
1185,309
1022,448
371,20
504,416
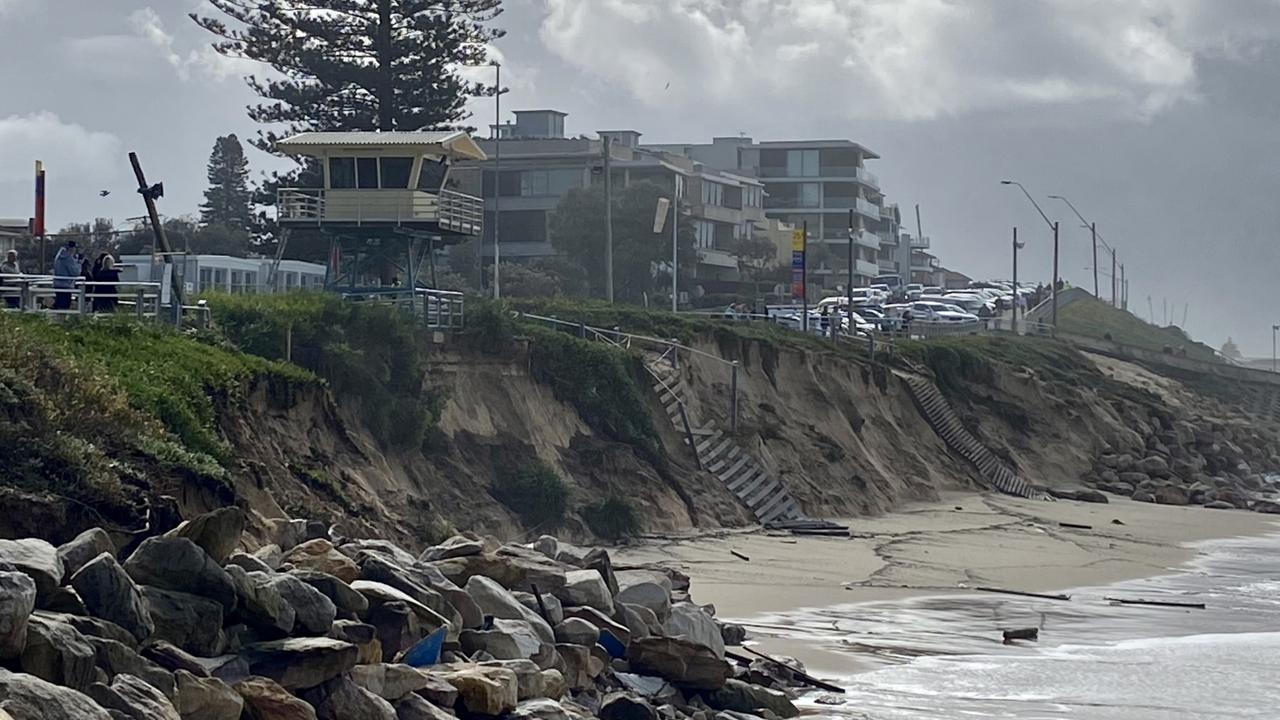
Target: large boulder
x,y
485,690
415,583
17,600
414,707
314,613
322,556
693,623
198,698
542,709
134,699
512,566
297,663
529,678
83,548
645,588
264,699
397,628
586,588
378,593
363,636
259,603
550,605
682,662
190,622
602,622
342,699
455,547
217,533
27,697
510,640
57,652
108,592
438,691
179,565
388,681
347,601
1171,495
250,563
358,550
37,559
1134,478
581,666
1155,466
173,658
497,601
621,706
115,658
577,631
740,696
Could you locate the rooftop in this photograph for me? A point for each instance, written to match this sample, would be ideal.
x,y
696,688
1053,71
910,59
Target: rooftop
x,y
815,145
455,141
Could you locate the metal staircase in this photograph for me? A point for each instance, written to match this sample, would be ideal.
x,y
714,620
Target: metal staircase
x,y
943,419
718,453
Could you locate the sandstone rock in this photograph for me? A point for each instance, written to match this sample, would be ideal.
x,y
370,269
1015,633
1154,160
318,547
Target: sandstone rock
x,y
645,588
199,698
680,661
363,636
603,622
635,620
586,588
553,684
173,658
455,547
739,696
108,592
271,555
342,699
249,563
388,681
495,600
266,700
286,532
359,550
418,585
1091,496
693,623
1267,506
1220,505
17,600
1134,478
1118,488
115,658
598,559
38,560
581,667
621,706
1155,466
83,548
313,612
347,601
65,600
322,556
397,627
512,566
217,533
26,697
189,622
298,663
1171,495
509,640
58,653
134,698
438,690
259,603
485,690
378,593
731,634
413,707
541,709
577,631
227,668
179,565
528,676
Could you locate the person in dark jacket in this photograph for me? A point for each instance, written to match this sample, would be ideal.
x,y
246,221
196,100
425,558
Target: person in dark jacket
x,y
104,288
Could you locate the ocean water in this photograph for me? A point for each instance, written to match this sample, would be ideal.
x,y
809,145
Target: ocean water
x,y
941,657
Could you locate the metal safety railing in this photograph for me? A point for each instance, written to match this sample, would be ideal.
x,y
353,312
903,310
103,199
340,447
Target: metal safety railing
x,y
453,211
440,309
64,297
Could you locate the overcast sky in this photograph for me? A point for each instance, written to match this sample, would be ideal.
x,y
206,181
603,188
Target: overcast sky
x,y
1158,118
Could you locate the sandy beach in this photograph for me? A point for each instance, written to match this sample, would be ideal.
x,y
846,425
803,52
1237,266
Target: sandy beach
x,y
963,541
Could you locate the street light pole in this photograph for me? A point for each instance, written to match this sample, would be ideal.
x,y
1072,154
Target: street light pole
x,y
1054,227
1016,295
607,142
675,243
497,175
1274,329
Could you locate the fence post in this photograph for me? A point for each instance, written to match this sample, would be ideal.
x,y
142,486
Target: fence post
x,y
582,330
288,343
871,345
675,356
733,397
25,301
80,300
137,303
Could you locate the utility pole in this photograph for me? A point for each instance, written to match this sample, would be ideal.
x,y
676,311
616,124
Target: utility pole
x,y
497,169
804,277
675,243
1016,297
608,220
1274,330
1093,230
1115,302
1055,277
849,284
149,194
38,228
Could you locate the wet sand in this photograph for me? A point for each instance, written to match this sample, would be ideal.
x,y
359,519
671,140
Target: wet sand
x,y
962,542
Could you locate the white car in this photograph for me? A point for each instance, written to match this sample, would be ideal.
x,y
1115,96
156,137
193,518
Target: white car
x,y
940,313
914,291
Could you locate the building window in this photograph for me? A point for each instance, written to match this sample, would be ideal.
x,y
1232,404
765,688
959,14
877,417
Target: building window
x,y
342,173
206,278
367,173
712,193
705,234
396,172
802,163
548,183
751,196
810,195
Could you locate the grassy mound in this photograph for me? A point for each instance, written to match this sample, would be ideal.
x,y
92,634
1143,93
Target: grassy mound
x,y
1093,318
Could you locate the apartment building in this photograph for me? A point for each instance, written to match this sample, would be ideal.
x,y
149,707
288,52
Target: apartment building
x,y
540,165
824,183
224,273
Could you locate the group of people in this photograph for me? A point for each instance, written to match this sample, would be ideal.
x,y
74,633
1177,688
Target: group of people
x,y
100,278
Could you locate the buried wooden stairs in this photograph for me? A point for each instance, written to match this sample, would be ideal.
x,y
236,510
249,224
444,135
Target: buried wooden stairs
x,y
943,419
718,453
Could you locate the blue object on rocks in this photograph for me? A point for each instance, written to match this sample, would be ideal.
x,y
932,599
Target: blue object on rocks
x,y
426,652
612,645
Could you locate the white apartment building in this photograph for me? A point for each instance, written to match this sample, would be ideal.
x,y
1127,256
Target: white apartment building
x,y
224,273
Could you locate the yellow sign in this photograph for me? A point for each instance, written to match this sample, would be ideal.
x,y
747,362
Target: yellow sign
x,y
797,241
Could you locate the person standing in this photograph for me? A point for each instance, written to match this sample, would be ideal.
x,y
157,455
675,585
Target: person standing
x,y
10,267
105,287
66,268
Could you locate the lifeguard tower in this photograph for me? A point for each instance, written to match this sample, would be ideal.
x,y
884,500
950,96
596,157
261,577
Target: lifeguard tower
x,y
383,205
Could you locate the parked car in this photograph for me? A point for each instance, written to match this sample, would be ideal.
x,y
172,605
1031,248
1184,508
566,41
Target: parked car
x,y
939,312
914,291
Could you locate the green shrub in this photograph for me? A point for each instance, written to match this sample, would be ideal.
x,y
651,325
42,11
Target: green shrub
x,y
613,518
533,491
490,325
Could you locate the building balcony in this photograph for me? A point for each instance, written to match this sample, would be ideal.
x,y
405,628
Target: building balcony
x,y
447,211
867,209
887,267
922,243
886,212
926,264
717,258
866,177
866,267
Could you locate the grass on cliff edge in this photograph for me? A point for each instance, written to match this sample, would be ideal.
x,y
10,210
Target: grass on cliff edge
x,y
87,405
1093,318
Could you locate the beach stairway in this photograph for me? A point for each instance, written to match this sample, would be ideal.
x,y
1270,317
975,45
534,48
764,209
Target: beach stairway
x,y
717,452
944,421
